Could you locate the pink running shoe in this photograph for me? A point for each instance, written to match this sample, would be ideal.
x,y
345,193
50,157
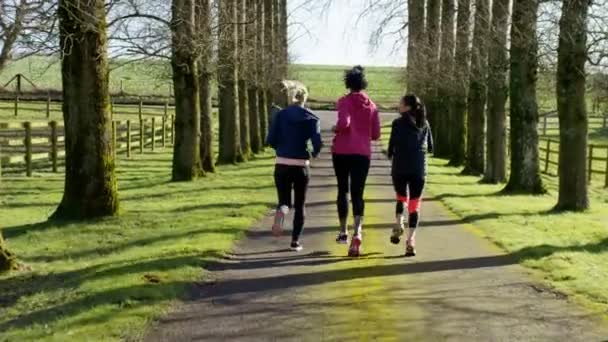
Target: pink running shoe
x,y
355,246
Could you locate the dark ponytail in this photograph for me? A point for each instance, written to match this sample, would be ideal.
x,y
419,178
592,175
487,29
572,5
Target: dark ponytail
x,y
418,110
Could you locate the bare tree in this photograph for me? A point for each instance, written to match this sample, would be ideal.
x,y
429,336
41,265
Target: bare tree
x,y
525,170
205,68
254,54
458,102
416,44
445,86
269,51
261,67
243,79
478,89
498,67
90,182
230,137
431,59
572,107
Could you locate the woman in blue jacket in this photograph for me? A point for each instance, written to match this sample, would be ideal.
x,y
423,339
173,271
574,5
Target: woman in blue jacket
x,y
290,131
410,140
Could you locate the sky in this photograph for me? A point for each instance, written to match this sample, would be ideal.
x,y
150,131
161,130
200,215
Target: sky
x,y
339,36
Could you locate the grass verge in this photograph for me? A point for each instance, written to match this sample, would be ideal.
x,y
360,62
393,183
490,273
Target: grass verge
x,y
570,250
107,279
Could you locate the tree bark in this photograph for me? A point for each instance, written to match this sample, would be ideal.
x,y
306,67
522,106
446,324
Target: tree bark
x,y
478,91
8,261
243,63
261,70
572,108
205,34
458,102
11,33
230,137
186,150
90,182
431,58
253,76
445,87
498,66
416,46
270,52
284,41
525,170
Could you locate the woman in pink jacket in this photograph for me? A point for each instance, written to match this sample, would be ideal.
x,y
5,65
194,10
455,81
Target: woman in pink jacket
x,y
358,124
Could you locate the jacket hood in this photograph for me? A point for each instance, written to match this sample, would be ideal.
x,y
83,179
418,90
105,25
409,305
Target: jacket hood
x,y
295,113
360,99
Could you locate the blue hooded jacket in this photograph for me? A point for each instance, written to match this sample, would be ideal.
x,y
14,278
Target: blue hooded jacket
x,y
290,131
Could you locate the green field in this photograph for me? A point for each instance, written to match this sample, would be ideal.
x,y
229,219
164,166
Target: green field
x,y
106,279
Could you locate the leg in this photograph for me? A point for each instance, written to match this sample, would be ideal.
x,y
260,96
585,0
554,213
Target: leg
x,y
400,185
416,187
359,172
301,178
283,185
341,169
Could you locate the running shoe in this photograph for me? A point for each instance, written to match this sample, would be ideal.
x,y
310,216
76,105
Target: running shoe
x,y
342,238
277,227
398,232
296,246
410,249
355,246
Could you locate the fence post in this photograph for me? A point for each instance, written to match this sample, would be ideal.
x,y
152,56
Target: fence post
x,y
606,181
114,138
590,162
48,106
548,156
54,147
140,108
128,138
153,134
173,129
164,132
605,121
16,104
28,148
142,131
545,125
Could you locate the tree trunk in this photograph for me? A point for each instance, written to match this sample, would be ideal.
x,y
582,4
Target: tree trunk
x,y
253,76
269,51
525,170
261,46
458,102
90,182
8,261
445,87
243,70
230,137
431,59
284,41
478,92
498,66
186,150
11,33
572,108
416,46
204,30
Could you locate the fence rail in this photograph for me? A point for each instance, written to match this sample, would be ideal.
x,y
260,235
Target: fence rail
x,y
26,143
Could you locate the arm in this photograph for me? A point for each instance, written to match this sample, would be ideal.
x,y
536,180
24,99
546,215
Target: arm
x,y
391,142
343,118
430,146
273,132
376,129
317,142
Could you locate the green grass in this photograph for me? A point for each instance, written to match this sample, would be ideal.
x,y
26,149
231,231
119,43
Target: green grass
x,y
570,250
105,280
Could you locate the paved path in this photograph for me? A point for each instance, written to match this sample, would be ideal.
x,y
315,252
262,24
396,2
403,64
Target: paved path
x,y
459,288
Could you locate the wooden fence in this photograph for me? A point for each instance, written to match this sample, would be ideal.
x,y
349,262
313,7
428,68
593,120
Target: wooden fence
x,y
43,143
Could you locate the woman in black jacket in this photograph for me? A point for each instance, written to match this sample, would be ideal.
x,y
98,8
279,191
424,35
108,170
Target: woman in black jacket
x,y
410,140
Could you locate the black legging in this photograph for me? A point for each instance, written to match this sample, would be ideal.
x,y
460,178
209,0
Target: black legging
x,y
287,178
409,190
351,171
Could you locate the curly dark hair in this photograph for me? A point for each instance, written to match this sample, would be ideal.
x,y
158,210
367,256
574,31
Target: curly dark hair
x,y
354,79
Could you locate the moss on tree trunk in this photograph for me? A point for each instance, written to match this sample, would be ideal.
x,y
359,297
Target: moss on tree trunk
x,y
525,170
90,183
230,137
445,87
204,40
476,120
572,109
498,66
458,102
416,45
431,60
8,261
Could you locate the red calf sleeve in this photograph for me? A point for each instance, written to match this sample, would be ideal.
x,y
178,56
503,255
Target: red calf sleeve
x,y
414,205
402,199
